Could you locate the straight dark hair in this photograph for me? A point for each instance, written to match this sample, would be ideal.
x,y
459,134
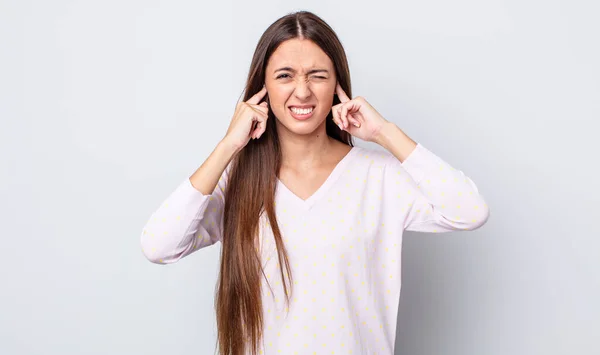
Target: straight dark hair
x,y
250,192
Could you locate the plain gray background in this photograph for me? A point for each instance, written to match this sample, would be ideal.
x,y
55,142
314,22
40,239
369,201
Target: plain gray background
x,y
106,106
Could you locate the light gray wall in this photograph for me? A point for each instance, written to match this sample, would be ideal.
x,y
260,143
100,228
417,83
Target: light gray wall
x,y
106,105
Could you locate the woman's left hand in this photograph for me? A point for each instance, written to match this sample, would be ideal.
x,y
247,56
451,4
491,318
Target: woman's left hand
x,y
357,117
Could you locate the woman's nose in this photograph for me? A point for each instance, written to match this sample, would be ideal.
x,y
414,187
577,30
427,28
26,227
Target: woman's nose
x,y
302,89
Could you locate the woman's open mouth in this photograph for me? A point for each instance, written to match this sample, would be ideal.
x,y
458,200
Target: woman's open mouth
x,y
301,113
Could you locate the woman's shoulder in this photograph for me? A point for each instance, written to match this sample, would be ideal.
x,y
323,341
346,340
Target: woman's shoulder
x,y
369,155
370,165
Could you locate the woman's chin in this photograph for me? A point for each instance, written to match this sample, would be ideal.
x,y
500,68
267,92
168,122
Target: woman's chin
x,y
302,127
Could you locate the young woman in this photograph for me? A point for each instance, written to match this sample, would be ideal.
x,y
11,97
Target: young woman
x,y
310,225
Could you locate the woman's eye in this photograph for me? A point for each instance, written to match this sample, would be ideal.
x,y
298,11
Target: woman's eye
x,y
283,75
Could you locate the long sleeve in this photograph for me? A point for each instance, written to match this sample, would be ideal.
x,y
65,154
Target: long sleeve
x,y
186,221
434,196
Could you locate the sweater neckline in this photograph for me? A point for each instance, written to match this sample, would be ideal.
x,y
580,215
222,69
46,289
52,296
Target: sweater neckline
x,y
333,175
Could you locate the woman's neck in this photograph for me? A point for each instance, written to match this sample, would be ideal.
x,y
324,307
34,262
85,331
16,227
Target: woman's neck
x,y
307,151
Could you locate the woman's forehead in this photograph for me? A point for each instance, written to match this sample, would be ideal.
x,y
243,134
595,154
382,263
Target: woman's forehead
x,y
299,55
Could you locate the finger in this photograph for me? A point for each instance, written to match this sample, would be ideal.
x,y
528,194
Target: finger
x,y
350,118
336,117
341,94
260,127
343,119
263,107
262,124
255,99
259,131
345,108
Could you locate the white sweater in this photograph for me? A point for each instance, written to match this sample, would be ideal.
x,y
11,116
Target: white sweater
x,y
344,244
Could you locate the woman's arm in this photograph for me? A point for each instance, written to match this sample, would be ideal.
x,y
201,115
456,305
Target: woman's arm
x,y
435,196
190,217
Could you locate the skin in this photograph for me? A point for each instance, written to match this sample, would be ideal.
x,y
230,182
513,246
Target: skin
x,y
309,154
305,144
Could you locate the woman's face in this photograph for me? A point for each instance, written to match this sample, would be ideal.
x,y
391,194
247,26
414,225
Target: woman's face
x,y
299,73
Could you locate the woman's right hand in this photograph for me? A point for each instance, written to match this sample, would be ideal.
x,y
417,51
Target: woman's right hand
x,y
241,129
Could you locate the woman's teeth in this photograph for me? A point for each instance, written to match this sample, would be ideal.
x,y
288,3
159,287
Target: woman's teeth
x,y
301,111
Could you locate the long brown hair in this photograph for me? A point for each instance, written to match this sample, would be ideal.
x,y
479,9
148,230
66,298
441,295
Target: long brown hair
x,y
251,189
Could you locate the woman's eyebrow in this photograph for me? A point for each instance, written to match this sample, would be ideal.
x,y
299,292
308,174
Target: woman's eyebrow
x,y
309,72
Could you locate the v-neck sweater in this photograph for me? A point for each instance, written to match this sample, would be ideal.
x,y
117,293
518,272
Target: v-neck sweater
x,y
343,243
